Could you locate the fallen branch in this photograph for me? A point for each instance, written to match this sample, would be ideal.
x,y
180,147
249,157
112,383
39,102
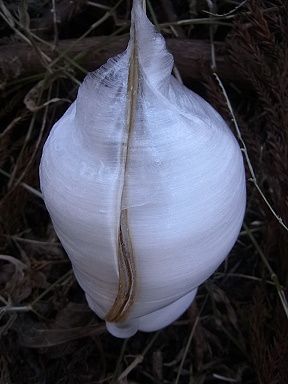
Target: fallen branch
x,y
192,57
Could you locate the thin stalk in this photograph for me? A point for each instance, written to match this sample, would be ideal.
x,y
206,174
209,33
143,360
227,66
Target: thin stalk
x,y
126,263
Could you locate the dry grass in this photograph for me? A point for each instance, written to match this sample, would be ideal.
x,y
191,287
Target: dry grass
x,y
236,331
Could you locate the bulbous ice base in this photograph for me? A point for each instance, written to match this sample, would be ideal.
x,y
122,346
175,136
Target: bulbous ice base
x,y
153,321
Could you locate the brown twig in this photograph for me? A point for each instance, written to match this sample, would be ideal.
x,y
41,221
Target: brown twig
x,y
168,9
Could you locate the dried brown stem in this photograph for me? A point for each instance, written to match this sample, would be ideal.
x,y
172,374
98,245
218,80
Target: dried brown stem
x,y
126,263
